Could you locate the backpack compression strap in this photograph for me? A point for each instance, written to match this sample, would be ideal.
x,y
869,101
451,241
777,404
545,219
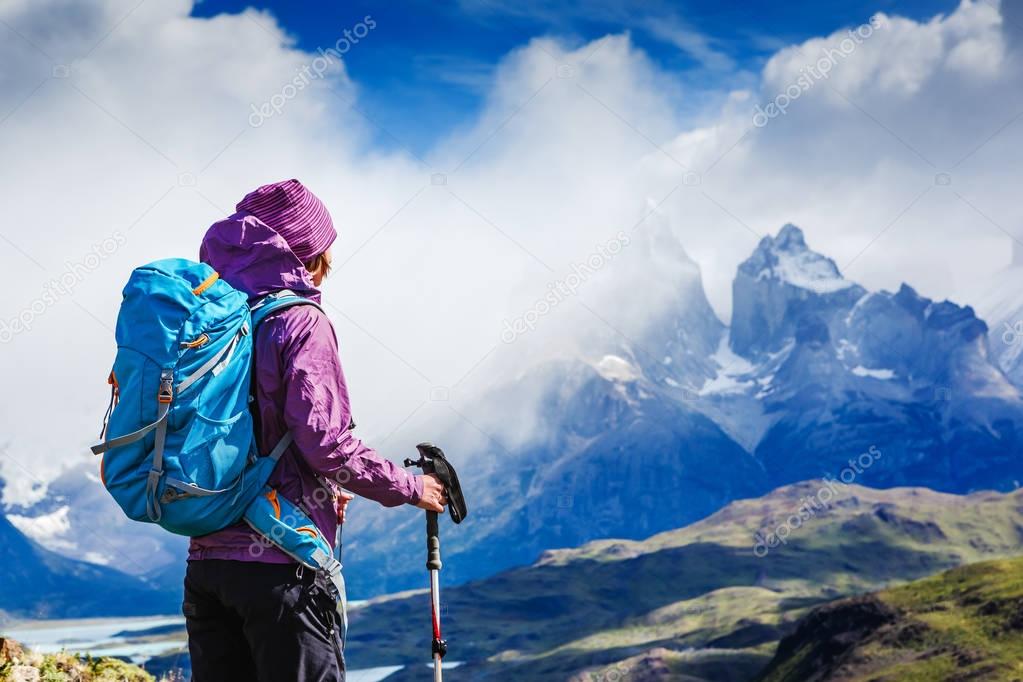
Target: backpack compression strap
x,y
164,398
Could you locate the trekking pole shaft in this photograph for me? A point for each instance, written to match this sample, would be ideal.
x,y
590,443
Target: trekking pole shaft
x,y
438,652
433,564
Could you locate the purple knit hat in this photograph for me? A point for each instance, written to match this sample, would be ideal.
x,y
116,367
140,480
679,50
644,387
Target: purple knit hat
x,y
294,213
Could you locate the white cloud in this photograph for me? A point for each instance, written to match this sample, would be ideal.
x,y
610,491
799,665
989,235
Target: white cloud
x,y
570,146
49,530
697,45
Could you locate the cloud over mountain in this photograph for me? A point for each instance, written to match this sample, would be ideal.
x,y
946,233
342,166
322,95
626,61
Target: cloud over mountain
x,y
126,131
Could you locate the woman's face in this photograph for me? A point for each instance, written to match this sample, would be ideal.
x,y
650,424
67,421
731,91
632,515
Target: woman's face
x,y
321,272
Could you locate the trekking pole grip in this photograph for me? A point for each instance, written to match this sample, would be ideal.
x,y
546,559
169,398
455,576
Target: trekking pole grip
x,y
433,562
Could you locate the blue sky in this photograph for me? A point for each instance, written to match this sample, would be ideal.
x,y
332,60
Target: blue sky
x,y
424,69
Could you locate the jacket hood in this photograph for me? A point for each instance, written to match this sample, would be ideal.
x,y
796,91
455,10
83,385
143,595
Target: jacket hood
x,y
250,256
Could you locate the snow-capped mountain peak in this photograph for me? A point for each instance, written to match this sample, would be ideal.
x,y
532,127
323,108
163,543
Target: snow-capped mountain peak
x,y
777,286
787,258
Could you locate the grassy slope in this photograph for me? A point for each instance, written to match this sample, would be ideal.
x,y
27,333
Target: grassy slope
x,y
966,624
611,602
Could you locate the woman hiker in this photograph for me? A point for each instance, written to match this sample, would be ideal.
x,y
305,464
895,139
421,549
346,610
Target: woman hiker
x,y
252,612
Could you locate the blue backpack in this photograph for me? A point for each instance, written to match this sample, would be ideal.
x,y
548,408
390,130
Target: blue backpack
x,y
178,433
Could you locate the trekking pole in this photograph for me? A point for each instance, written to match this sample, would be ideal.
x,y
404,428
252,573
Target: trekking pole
x,y
432,461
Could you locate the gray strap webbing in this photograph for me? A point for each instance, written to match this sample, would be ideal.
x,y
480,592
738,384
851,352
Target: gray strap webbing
x,y
153,510
125,439
231,347
192,490
281,446
166,395
207,366
332,568
340,585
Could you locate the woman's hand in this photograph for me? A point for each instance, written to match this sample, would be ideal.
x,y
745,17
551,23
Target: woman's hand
x,y
434,498
343,498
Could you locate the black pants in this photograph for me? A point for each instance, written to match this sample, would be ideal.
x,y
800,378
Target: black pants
x,y
249,621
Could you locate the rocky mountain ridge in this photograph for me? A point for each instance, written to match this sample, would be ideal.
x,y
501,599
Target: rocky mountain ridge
x,y
662,419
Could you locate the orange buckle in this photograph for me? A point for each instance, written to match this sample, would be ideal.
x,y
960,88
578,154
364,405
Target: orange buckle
x,y
166,393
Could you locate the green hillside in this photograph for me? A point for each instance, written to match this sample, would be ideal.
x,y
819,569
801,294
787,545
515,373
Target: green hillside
x,y
965,624
19,665
696,601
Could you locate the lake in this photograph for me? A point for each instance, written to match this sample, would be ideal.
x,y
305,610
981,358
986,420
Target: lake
x,y
126,638
99,636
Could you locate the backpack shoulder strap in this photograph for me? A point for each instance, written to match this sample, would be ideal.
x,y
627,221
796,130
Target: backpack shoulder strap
x,y
259,311
277,301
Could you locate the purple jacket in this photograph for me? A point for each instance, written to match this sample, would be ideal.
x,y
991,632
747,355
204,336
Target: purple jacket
x,y
299,386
